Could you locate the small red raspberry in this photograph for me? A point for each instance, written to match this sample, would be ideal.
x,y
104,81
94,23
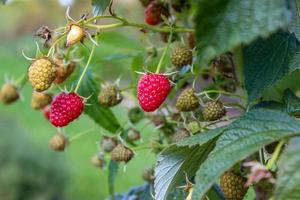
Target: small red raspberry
x,y
65,108
152,90
154,12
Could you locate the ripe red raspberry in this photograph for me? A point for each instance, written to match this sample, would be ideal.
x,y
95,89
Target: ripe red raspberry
x,y
65,108
154,11
152,90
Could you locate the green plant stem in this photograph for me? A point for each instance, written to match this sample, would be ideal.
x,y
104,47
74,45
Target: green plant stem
x,y
133,24
141,148
85,69
21,81
164,53
78,135
275,155
108,26
221,92
54,44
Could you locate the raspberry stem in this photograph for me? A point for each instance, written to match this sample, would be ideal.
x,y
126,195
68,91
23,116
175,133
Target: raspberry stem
x,y
85,68
78,135
21,81
137,25
54,44
164,53
275,155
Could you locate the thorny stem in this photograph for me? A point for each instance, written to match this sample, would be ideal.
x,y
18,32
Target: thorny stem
x,y
82,134
275,155
85,68
164,53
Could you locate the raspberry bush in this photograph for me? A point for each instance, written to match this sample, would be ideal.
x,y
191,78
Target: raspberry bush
x,y
218,87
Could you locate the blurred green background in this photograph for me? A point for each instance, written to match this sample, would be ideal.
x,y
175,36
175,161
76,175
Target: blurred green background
x,y
24,153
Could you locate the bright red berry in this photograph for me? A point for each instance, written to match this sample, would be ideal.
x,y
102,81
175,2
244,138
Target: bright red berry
x,y
65,108
154,12
152,90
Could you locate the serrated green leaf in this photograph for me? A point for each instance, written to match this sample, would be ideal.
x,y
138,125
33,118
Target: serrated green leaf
x,y
295,24
222,25
113,168
99,6
267,61
101,115
288,182
242,138
174,162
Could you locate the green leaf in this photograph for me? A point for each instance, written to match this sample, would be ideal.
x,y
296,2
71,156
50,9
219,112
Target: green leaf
x,y
120,41
267,61
240,139
174,162
292,103
99,6
223,25
113,168
101,115
288,182
136,66
295,24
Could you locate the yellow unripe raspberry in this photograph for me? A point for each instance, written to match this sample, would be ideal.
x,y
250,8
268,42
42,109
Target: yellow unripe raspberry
x,y
41,74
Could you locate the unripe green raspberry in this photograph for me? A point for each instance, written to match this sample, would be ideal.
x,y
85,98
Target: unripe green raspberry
x,y
108,143
179,135
40,100
121,153
41,74
148,174
213,110
109,96
9,93
233,186
98,160
58,142
187,101
133,135
182,56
